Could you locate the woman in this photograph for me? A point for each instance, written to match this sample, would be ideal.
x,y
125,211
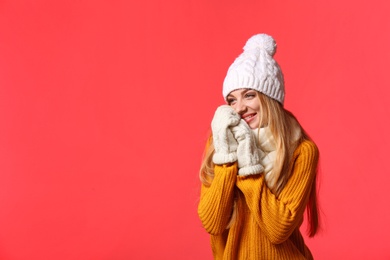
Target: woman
x,y
259,169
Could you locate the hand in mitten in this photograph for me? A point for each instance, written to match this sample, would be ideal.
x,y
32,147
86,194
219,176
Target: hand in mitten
x,y
248,154
224,143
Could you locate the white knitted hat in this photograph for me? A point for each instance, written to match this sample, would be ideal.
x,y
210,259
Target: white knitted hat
x,y
256,69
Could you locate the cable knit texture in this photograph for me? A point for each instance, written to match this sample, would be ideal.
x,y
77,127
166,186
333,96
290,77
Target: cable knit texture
x,y
224,143
248,154
256,69
266,225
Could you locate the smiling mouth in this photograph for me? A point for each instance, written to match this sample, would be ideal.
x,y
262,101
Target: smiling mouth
x,y
248,118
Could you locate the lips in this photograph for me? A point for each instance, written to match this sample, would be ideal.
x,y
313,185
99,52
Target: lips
x,y
248,117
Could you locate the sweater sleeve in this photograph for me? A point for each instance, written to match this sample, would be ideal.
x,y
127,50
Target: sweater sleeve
x,y
279,216
216,202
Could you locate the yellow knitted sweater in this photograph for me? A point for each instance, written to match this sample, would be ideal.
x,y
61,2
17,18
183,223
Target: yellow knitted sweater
x,y
266,226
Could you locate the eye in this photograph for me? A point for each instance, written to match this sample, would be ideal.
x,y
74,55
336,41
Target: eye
x,y
250,95
231,101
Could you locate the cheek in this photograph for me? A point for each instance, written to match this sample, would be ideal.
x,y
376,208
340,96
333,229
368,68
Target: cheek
x,y
234,106
255,106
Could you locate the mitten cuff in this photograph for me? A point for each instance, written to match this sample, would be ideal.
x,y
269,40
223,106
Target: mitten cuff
x,y
222,158
251,170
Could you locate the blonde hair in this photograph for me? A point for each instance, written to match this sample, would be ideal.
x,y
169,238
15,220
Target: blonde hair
x,y
288,134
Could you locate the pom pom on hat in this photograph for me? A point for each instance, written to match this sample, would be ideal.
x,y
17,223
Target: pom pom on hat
x,y
256,69
261,41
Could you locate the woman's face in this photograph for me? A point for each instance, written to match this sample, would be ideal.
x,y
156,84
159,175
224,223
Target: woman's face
x,y
247,104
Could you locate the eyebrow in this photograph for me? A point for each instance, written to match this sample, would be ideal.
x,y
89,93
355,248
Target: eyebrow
x,y
241,93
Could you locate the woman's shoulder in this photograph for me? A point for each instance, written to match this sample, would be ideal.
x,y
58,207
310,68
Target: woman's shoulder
x,y
307,147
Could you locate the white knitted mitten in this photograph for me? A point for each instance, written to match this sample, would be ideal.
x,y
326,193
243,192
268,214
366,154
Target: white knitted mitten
x,y
248,154
224,143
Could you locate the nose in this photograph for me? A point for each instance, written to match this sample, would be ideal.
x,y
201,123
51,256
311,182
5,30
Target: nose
x,y
240,107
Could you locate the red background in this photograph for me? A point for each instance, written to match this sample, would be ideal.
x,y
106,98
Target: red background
x,y
105,107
